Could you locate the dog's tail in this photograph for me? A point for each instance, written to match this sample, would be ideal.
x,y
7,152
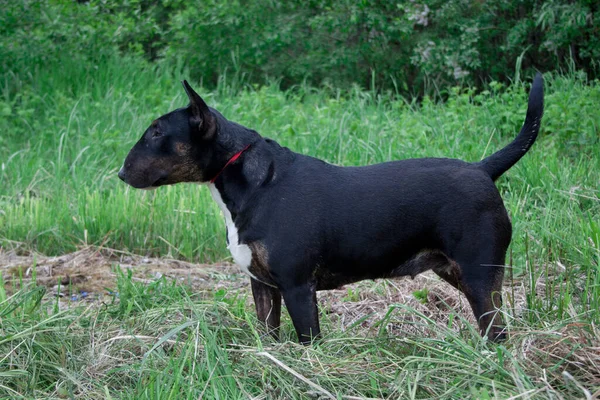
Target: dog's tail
x,y
499,162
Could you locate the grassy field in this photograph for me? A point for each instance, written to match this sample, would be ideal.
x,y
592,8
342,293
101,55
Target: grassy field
x,y
66,130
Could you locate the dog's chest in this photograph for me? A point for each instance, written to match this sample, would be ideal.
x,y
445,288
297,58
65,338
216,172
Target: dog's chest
x,y
241,253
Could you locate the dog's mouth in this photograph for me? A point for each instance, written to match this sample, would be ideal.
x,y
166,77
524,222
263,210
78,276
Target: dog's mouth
x,y
135,181
155,185
159,182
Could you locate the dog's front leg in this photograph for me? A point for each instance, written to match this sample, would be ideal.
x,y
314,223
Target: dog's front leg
x,y
301,302
267,300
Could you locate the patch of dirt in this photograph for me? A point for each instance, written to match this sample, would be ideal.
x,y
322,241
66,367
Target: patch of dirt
x,y
92,272
365,303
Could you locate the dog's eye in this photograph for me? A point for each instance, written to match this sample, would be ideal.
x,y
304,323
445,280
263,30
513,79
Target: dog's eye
x,y
157,134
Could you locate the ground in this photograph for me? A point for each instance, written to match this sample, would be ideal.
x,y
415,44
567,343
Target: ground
x,y
423,320
90,274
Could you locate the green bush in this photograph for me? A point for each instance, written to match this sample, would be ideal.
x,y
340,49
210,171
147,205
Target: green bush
x,y
412,47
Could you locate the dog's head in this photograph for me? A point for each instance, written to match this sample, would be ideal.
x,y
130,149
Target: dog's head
x,y
177,147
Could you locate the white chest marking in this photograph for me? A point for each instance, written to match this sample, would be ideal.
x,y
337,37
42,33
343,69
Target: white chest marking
x,y
241,253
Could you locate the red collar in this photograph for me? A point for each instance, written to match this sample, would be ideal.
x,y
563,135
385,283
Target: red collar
x,y
232,159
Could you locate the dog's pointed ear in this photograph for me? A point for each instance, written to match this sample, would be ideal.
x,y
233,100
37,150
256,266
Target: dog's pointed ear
x,y
201,120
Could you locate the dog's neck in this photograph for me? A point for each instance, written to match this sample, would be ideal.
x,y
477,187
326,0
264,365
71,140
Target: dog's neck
x,y
230,161
260,165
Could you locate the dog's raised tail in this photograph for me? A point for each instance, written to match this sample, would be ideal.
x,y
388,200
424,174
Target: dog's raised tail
x,y
499,162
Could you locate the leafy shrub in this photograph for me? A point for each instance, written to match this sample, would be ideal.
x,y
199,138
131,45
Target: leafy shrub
x,y
426,45
413,47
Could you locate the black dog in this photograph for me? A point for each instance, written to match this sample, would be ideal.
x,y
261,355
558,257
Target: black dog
x,y
297,224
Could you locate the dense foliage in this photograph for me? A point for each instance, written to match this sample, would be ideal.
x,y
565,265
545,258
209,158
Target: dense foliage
x,y
413,47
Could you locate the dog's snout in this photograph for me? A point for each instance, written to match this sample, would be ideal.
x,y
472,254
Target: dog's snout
x,y
121,174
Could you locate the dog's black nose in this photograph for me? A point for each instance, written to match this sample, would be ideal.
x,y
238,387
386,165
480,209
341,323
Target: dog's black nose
x,y
121,175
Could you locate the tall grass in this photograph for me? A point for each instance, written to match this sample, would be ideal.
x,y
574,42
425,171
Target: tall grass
x,y
68,128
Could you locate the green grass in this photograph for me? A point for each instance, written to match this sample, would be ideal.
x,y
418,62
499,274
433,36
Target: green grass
x,y
162,341
66,130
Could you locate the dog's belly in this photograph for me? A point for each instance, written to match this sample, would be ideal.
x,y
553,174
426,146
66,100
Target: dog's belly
x,y
417,263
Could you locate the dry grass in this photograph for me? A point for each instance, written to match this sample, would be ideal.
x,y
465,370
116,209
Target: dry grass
x,y
92,269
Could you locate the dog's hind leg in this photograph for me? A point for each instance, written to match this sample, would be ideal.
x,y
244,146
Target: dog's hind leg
x,y
267,300
483,291
477,270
